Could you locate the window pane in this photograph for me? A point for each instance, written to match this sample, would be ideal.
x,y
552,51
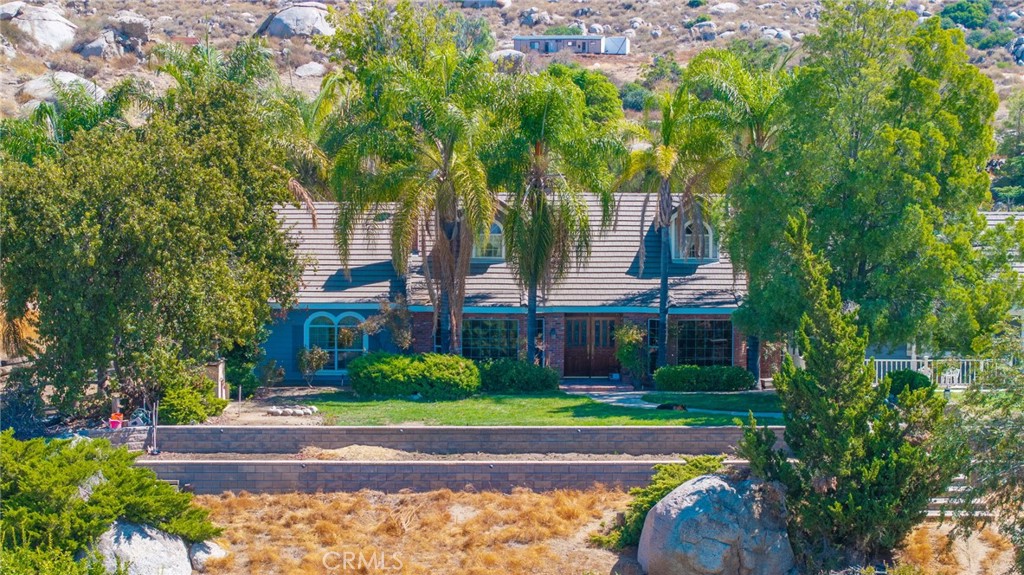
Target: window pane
x,y
705,342
491,247
490,338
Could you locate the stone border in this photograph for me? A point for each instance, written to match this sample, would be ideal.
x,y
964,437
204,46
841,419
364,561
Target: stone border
x,y
214,477
631,440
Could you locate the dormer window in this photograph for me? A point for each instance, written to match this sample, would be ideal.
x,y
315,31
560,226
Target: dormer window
x,y
490,246
694,242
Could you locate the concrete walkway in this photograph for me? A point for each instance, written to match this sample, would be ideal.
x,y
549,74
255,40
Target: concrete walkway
x,y
635,399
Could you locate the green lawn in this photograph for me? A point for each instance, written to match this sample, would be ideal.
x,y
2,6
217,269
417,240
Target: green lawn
x,y
744,401
555,408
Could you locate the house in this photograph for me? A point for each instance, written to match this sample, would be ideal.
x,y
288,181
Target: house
x,y
577,44
576,318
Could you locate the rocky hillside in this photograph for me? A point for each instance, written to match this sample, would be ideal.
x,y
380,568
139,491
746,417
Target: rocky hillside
x,y
102,41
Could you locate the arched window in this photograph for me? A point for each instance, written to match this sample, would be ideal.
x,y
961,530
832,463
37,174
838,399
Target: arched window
x,y
693,242
491,247
339,336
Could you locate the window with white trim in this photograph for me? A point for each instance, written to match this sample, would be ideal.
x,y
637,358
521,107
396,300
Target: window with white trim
x,y
490,246
693,242
339,336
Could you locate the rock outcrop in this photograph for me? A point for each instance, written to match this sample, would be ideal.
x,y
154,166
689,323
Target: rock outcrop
x,y
44,25
43,88
201,553
714,526
299,19
146,550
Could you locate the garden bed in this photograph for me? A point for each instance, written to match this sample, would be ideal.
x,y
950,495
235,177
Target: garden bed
x,y
371,453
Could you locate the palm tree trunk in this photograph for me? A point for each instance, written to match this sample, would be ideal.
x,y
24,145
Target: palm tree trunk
x,y
531,324
444,321
664,217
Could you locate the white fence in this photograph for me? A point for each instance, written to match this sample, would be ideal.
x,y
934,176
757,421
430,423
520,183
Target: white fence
x,y
945,372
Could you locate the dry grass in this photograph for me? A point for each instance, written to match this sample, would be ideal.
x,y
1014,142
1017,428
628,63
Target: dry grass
x,y
933,552
436,532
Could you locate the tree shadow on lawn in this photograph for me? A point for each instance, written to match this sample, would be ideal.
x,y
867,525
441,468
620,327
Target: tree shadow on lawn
x,y
639,416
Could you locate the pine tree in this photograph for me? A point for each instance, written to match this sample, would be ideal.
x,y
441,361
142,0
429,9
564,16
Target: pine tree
x,y
861,465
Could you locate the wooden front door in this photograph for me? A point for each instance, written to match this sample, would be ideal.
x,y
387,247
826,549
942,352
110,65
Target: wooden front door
x,y
590,346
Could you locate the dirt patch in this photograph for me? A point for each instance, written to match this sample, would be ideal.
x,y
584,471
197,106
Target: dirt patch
x,y
254,411
375,453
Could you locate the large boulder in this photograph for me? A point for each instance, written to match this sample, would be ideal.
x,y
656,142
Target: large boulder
x,y
723,8
44,25
146,550
534,16
43,88
299,19
201,553
311,70
715,526
107,45
133,26
508,61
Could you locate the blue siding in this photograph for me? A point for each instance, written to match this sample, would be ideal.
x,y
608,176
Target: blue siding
x,y
287,337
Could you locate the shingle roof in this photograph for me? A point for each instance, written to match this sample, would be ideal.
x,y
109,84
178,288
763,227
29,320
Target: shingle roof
x,y
610,279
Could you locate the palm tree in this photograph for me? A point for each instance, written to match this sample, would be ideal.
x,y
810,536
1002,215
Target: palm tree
x,y
686,152
415,146
546,156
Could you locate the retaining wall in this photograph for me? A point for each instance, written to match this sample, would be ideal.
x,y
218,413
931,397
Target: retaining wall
x,y
212,477
631,440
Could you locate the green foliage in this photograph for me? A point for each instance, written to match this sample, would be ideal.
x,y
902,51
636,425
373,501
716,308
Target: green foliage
x,y
663,72
563,30
165,232
861,470
890,193
694,21
433,376
666,478
696,3
186,394
709,378
987,41
240,365
990,428
633,352
46,506
513,376
902,379
634,96
968,13
51,561
600,94
311,361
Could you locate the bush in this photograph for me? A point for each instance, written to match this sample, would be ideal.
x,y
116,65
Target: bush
x,y
564,30
995,39
907,379
47,561
711,378
696,3
512,376
431,375
968,13
694,21
666,478
634,96
633,352
44,507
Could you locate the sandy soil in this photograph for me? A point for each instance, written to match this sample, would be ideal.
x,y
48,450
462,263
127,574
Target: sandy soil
x,y
254,411
373,453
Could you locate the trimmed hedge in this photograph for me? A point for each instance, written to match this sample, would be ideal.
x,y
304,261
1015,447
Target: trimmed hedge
x,y
695,378
907,379
512,376
431,375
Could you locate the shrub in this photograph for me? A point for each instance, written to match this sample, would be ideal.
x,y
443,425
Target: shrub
x,y
191,400
48,561
634,96
431,375
996,39
632,351
696,3
311,361
512,376
563,30
968,13
46,503
907,379
666,478
711,378
694,21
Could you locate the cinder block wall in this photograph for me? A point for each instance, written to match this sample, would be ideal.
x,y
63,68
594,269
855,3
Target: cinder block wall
x,y
212,477
632,440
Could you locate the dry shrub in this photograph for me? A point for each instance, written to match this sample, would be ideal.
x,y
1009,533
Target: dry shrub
x,y
124,62
435,532
71,62
930,550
